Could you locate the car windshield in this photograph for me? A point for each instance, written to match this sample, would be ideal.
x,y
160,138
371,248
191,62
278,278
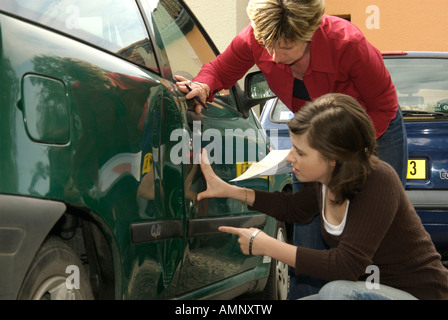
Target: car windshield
x,y
421,83
114,25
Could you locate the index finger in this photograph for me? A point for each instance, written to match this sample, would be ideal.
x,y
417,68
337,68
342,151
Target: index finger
x,y
231,230
179,78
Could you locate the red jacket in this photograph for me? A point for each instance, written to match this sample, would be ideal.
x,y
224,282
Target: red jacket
x,y
342,61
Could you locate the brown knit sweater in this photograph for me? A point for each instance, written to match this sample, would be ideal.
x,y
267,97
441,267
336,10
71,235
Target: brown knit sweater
x,y
382,228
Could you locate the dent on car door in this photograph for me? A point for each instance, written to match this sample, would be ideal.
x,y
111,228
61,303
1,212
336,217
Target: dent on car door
x,y
121,167
231,142
158,235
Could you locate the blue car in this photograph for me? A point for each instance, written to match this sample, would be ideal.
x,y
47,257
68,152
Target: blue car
x,y
421,81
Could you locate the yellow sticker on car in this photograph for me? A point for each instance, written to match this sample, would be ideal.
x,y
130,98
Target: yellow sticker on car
x,y
147,163
416,169
242,167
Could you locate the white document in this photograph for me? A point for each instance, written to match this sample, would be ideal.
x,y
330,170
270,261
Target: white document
x,y
274,163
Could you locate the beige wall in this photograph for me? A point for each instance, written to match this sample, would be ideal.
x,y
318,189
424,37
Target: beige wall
x,y
388,24
222,19
398,24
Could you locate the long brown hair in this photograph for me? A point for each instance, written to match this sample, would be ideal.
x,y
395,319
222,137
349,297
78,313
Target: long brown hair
x,y
339,128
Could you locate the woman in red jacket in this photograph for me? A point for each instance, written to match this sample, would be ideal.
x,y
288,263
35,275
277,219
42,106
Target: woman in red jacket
x,y
305,54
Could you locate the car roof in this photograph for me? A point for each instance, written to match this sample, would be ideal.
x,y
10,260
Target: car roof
x,y
415,54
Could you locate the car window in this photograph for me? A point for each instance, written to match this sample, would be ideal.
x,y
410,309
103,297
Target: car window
x,y
280,112
177,36
421,83
183,47
114,25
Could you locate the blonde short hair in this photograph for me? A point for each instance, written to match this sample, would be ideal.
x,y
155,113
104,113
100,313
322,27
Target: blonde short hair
x,y
289,20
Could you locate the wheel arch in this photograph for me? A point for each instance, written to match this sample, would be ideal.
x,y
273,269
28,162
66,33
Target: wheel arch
x,y
24,224
93,242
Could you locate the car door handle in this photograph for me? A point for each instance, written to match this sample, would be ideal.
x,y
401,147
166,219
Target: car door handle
x,y
207,226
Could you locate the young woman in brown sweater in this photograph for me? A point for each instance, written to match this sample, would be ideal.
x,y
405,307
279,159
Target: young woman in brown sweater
x,y
367,220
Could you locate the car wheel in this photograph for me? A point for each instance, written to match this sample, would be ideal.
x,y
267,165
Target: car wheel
x,y
50,275
277,285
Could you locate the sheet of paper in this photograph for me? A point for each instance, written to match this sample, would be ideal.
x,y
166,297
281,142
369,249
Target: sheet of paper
x,y
274,163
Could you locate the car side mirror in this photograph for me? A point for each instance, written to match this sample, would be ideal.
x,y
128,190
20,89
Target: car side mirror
x,y
256,92
256,87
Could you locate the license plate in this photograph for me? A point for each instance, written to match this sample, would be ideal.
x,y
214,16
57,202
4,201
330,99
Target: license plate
x,y
416,169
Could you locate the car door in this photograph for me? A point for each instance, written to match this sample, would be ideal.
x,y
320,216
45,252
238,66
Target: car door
x,y
232,140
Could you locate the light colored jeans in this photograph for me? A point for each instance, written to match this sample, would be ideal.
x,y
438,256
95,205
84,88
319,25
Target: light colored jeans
x,y
357,290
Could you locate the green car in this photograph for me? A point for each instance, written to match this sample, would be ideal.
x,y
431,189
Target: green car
x,y
99,166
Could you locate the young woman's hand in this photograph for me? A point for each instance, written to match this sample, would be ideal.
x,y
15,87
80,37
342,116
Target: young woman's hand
x,y
216,187
263,244
244,236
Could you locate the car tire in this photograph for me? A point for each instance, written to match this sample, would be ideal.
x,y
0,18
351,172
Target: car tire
x,y
48,276
277,285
